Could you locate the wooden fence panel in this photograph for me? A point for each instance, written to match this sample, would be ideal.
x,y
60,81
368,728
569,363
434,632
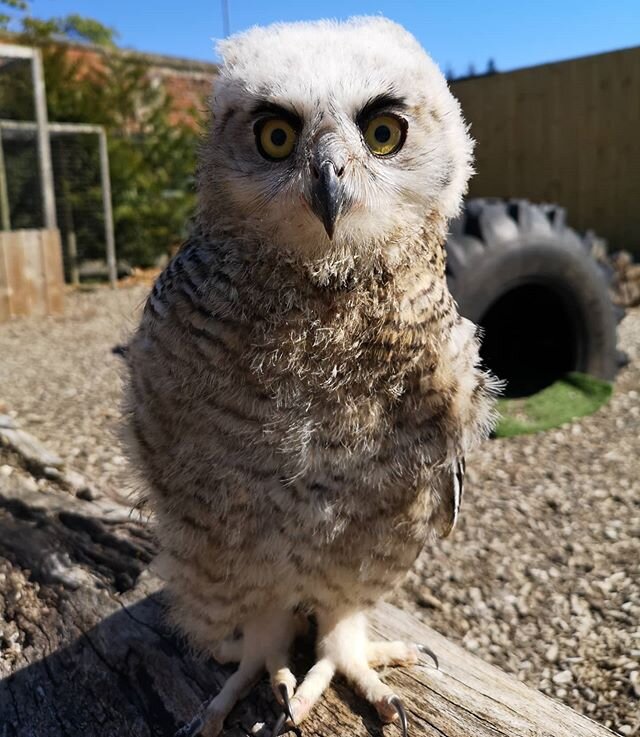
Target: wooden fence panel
x,y
565,133
14,258
31,275
53,271
5,304
34,281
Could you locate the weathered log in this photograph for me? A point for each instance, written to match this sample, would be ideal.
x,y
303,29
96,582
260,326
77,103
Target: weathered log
x,y
84,651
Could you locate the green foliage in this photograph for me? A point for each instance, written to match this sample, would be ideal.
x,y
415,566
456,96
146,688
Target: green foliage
x,y
71,27
16,91
152,158
78,28
5,18
573,396
152,174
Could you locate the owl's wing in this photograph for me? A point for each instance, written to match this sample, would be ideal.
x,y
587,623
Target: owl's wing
x,y
450,487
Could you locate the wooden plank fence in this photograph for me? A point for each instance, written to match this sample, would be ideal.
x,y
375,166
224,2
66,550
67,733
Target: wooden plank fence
x,y
567,133
31,273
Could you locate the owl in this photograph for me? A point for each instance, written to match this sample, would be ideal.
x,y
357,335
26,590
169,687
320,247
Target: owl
x,y
301,388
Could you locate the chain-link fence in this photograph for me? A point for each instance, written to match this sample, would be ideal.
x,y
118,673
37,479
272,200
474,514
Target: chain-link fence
x,y
53,174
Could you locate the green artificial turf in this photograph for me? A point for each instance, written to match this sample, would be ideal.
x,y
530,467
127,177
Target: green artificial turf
x,y
573,396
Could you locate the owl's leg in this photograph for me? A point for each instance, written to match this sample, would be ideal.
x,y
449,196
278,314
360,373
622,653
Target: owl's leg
x,y
283,681
228,651
235,688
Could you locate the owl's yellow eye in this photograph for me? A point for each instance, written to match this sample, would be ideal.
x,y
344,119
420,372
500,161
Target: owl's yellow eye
x,y
276,138
384,134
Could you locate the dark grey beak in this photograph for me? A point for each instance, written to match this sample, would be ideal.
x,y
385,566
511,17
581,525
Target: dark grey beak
x,y
327,194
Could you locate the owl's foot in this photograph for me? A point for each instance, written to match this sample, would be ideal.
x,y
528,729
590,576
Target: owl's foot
x,y
265,642
361,676
343,647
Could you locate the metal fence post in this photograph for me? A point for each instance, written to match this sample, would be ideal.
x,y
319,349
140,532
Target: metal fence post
x,y
44,149
108,212
4,195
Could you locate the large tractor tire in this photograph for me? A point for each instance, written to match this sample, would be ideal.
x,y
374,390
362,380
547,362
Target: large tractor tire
x,y
533,286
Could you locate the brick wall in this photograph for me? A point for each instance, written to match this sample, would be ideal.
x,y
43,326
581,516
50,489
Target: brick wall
x,y
188,82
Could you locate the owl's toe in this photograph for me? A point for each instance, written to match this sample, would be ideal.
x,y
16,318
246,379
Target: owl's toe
x,y
283,683
383,654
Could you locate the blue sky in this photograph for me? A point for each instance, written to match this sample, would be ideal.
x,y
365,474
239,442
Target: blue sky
x,y
456,33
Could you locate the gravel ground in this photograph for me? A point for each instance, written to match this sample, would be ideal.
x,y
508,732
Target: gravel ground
x,y
542,576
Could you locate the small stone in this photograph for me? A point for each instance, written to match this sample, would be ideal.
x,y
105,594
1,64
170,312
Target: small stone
x,y
562,678
7,422
30,484
74,480
552,653
88,494
634,677
55,474
428,601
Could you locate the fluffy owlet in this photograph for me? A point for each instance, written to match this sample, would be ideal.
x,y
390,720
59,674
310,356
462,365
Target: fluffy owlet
x,y
302,389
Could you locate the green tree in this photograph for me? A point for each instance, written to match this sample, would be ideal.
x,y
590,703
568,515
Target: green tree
x,y
152,158
6,18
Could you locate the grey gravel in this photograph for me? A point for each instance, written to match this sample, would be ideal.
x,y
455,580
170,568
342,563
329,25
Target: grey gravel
x,y
59,379
542,576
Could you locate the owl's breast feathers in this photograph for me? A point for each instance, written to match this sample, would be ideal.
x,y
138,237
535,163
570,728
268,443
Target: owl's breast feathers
x,y
357,404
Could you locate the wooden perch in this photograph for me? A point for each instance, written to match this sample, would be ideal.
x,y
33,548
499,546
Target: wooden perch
x,y
84,652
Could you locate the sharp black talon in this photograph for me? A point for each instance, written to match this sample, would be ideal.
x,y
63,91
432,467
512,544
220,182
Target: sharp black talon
x,y
277,727
395,701
427,651
284,693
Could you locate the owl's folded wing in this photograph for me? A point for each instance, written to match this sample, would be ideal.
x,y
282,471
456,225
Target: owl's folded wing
x,y
449,490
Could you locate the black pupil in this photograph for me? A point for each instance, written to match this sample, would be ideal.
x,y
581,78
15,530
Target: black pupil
x,y
278,137
382,133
